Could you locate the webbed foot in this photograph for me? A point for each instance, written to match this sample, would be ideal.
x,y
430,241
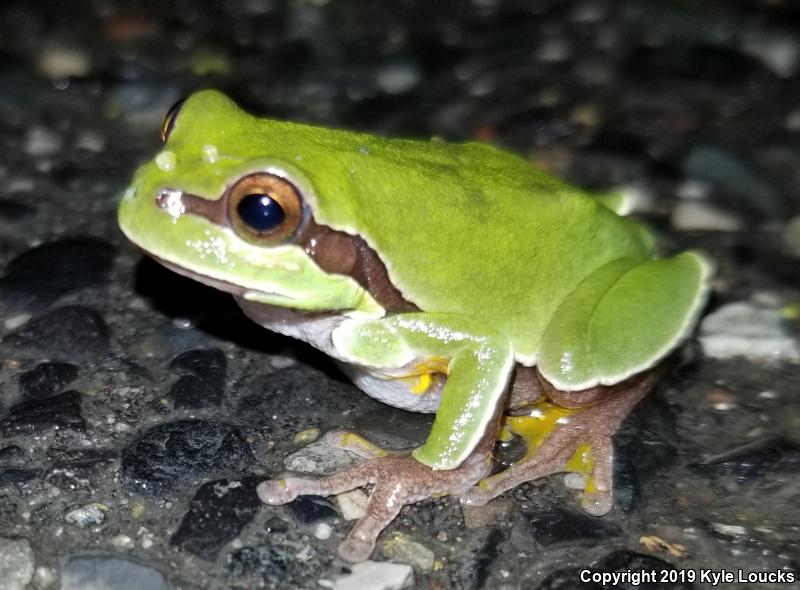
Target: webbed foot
x,y
397,479
574,440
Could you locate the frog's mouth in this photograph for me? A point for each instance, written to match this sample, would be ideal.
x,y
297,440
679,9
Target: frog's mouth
x,y
225,286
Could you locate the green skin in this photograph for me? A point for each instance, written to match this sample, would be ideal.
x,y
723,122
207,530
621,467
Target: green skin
x,y
507,264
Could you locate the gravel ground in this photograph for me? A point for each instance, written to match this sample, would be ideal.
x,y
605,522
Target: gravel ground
x,y
139,410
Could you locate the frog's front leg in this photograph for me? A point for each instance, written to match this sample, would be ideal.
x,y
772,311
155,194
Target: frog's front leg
x,y
570,433
456,454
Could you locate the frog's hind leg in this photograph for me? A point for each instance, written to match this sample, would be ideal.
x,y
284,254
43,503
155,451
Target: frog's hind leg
x,y
570,433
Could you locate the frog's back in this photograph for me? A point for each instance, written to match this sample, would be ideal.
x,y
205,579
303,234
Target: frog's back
x,y
470,229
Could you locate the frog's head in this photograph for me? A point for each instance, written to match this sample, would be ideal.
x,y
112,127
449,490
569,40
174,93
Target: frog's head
x,y
211,206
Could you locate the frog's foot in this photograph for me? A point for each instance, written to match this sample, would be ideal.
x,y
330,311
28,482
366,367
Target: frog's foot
x,y
397,480
569,440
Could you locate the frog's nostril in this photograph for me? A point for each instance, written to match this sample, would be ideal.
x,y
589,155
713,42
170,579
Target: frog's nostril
x,y
171,201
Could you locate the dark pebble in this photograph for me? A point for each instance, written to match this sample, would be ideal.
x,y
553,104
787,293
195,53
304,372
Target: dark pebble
x,y
14,211
46,272
217,514
208,365
276,526
735,180
203,381
753,460
12,455
642,447
192,392
60,411
558,525
311,509
486,557
295,393
69,332
270,562
18,476
45,379
84,461
175,454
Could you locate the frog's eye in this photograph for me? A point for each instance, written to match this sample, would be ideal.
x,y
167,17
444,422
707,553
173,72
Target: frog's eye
x,y
264,208
169,120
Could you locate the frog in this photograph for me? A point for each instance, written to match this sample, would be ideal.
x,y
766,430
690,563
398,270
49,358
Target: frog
x,y
455,279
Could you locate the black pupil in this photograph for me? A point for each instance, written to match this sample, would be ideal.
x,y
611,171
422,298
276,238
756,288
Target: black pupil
x,y
260,213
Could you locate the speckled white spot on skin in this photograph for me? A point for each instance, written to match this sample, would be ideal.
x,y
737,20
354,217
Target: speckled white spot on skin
x,y
172,202
210,154
166,160
567,364
214,247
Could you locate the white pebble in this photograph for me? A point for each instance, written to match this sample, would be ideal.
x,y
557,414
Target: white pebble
x,y
696,215
742,329
322,531
373,575
352,504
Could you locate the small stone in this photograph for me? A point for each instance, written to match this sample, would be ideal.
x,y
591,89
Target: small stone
x,y
217,514
41,142
743,329
16,564
122,542
193,393
87,516
791,236
697,215
307,436
320,458
398,76
176,454
323,531
59,411
45,379
374,575
399,547
352,504
487,515
208,365
12,455
276,526
109,573
728,530
554,50
779,52
63,62
65,333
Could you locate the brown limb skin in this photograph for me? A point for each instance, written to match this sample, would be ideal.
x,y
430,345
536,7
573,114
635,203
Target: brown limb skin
x,y
592,426
397,479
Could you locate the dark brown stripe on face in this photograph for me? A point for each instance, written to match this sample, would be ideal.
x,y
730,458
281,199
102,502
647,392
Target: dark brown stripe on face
x,y
340,253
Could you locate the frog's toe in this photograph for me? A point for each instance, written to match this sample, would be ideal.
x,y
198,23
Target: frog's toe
x,y
475,496
355,550
275,492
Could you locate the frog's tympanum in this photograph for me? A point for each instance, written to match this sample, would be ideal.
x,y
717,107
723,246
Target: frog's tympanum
x,y
447,278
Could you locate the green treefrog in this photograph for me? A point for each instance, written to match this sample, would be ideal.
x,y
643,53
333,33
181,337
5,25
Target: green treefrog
x,y
443,277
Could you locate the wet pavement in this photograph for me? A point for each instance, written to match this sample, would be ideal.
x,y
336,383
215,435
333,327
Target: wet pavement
x,y
138,410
